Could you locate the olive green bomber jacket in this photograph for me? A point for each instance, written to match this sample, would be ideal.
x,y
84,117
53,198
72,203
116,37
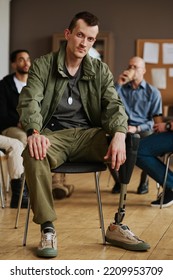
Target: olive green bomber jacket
x,y
46,85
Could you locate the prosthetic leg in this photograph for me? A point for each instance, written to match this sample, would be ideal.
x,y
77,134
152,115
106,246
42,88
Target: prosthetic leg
x,y
118,234
125,172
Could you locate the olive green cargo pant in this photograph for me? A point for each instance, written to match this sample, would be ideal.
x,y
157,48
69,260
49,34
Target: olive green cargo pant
x,y
74,144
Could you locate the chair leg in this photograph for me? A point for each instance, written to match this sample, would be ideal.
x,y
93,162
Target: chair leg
x,y
100,206
2,197
27,223
2,188
19,203
8,184
165,178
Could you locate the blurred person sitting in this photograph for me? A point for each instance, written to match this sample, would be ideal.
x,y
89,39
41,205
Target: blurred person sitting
x,y
143,104
10,88
150,151
14,148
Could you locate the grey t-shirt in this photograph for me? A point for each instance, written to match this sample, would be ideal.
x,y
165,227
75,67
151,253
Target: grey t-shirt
x,y
70,111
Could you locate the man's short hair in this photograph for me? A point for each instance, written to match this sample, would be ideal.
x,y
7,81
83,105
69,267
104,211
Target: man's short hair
x,y
89,18
14,54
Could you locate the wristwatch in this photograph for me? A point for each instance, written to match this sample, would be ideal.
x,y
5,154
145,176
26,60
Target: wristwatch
x,y
168,126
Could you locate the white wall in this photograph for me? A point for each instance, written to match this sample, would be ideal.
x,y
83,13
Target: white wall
x,y
4,37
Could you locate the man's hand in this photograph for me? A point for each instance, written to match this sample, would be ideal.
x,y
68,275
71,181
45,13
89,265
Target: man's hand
x,y
38,145
132,129
117,150
159,127
19,125
126,77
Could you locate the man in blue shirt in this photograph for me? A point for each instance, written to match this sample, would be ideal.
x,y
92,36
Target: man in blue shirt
x,y
143,104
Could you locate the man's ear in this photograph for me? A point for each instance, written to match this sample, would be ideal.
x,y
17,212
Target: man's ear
x,y
67,33
144,71
13,65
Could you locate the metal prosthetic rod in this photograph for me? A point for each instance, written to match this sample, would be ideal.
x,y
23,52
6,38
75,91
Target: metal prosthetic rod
x,y
122,204
125,172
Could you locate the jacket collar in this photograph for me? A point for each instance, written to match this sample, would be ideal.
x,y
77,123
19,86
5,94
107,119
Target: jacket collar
x,y
88,68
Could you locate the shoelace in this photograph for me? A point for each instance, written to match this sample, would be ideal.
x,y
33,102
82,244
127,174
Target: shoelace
x,y
48,239
129,232
48,236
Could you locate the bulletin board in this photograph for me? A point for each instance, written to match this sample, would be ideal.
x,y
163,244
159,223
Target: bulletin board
x,y
158,55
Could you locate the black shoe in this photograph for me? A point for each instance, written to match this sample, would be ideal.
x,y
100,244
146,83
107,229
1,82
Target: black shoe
x,y
15,200
14,203
62,191
167,201
143,188
116,188
59,192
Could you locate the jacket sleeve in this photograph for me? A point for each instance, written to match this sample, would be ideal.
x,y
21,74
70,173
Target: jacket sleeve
x,y
31,97
8,115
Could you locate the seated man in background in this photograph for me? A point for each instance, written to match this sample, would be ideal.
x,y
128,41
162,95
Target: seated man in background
x,y
143,104
10,88
67,108
150,149
14,148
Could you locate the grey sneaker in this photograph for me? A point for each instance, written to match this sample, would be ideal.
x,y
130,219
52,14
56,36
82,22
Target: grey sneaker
x,y
121,236
48,244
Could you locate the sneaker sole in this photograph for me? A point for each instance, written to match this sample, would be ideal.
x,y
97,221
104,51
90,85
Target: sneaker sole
x,y
47,253
132,247
163,205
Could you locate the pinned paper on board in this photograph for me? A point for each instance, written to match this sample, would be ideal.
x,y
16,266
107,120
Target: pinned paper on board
x,y
170,72
167,49
151,52
158,76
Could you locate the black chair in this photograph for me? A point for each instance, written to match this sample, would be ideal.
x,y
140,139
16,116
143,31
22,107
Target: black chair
x,y
124,175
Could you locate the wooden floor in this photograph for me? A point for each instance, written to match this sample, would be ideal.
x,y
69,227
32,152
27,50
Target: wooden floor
x,y
77,225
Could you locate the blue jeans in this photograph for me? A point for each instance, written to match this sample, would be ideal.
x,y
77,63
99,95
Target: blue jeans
x,y
152,147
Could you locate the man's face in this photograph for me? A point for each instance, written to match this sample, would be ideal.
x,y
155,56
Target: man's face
x,y
22,63
81,39
138,66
